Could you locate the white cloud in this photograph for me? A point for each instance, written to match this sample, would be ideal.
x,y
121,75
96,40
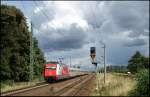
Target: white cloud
x,y
118,24
38,9
72,27
66,14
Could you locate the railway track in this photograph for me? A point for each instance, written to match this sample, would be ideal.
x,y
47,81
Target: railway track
x,y
72,89
52,88
13,92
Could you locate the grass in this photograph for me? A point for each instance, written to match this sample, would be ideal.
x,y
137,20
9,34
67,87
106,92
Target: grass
x,y
117,84
10,85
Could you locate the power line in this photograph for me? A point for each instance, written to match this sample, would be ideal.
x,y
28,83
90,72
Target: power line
x,y
32,13
46,16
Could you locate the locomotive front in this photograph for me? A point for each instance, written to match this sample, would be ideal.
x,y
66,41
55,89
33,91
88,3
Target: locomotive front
x,y
54,71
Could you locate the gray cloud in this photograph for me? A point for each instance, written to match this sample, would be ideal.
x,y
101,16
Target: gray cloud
x,y
135,42
94,13
131,16
108,21
118,16
104,17
113,18
43,16
62,39
146,33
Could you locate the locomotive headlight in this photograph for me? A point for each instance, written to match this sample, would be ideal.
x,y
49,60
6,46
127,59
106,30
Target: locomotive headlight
x,y
51,67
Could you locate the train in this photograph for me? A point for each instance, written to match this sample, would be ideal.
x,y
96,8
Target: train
x,y
54,71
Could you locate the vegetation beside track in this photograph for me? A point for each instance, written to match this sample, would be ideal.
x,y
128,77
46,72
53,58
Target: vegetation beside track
x,y
142,87
135,83
116,85
10,85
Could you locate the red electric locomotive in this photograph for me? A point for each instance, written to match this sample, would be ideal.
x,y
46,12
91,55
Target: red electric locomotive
x,y
54,71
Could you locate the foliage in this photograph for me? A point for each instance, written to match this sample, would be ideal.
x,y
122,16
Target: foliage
x,y
142,88
15,46
143,82
38,60
137,62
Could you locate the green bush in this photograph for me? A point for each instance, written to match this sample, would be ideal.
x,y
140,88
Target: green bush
x,y
142,88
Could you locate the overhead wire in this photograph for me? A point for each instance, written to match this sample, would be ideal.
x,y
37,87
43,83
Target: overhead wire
x,y
36,5
46,16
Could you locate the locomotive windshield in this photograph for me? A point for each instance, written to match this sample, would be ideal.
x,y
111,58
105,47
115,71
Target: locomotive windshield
x,y
52,62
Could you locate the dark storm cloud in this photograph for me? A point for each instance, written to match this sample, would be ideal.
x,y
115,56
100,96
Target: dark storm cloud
x,y
128,23
108,20
107,17
62,39
131,16
135,42
146,33
118,17
122,16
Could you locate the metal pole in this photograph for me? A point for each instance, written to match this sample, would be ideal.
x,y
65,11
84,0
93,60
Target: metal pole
x,y
70,61
96,79
104,62
104,65
31,54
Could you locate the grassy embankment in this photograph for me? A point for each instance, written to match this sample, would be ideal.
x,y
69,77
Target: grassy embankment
x,y
11,85
117,84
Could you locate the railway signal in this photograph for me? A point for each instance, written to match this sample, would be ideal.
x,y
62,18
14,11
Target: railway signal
x,y
95,63
93,53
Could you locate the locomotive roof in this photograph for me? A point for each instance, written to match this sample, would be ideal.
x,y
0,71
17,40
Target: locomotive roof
x,y
52,62
55,62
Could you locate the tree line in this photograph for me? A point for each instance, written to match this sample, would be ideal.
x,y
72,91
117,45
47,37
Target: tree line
x,y
135,64
15,47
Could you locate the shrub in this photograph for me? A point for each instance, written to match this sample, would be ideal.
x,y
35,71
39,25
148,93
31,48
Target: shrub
x,y
142,88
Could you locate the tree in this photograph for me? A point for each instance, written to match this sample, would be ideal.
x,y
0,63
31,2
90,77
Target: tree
x,y
137,62
15,46
38,59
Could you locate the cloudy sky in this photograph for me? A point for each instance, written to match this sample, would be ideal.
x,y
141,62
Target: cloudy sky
x,y
70,28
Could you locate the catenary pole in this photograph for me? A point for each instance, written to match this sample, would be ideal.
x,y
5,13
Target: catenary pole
x,y
104,65
31,53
